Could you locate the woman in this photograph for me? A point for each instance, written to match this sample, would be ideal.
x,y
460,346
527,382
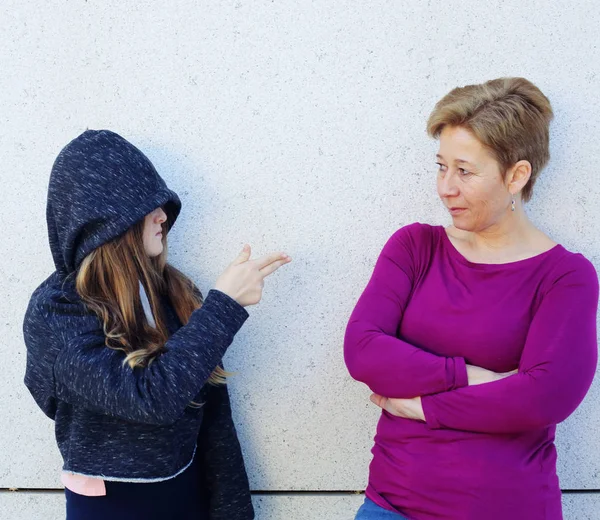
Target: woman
x,y
123,353
477,339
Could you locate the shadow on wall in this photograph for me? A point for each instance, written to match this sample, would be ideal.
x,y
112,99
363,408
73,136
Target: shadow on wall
x,y
201,248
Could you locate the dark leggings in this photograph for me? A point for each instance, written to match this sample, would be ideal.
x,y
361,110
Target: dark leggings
x,y
179,498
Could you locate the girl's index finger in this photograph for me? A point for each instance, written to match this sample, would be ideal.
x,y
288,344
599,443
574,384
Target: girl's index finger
x,y
266,260
271,268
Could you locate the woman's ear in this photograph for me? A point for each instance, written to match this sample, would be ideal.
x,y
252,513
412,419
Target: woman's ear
x,y
518,176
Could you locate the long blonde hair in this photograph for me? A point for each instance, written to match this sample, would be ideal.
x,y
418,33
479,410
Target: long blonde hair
x,y
108,283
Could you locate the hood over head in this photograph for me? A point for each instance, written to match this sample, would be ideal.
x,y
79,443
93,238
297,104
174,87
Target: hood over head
x,y
100,186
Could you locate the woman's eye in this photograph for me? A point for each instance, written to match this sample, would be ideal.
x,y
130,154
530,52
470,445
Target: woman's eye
x,y
462,171
441,167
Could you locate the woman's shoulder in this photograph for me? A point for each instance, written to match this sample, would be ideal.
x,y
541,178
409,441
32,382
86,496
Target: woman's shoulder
x,y
416,231
416,237
570,267
412,247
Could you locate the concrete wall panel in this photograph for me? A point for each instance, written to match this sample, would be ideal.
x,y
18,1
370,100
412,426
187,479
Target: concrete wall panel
x,y
290,125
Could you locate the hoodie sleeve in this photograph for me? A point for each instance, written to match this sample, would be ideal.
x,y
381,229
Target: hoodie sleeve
x,y
222,468
556,368
89,374
373,353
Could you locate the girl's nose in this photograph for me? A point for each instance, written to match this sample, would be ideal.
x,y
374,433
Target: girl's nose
x,y
161,216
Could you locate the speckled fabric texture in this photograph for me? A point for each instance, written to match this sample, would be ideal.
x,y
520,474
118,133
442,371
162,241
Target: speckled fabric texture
x,y
112,421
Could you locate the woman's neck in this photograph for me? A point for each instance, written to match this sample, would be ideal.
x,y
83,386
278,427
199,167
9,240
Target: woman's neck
x,y
514,230
512,238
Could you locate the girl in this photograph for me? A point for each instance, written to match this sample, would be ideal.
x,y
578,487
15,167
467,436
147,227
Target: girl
x,y
125,354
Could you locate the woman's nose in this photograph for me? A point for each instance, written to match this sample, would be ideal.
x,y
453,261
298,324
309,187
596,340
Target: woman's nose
x,y
447,186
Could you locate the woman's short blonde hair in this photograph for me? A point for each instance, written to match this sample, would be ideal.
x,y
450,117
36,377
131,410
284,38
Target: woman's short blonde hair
x,y
509,116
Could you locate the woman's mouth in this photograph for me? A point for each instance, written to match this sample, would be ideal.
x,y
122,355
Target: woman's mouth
x,y
456,211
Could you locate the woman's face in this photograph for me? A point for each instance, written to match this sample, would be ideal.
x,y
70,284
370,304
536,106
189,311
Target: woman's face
x,y
152,235
470,181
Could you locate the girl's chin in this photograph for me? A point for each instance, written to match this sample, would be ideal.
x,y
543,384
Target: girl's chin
x,y
155,251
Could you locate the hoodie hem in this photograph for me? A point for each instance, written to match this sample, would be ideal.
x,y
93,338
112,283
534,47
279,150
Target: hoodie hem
x,y
140,480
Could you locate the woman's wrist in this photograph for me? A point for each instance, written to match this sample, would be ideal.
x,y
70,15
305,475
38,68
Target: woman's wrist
x,y
478,376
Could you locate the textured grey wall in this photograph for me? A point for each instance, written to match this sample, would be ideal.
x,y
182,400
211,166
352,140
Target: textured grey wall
x,y
287,124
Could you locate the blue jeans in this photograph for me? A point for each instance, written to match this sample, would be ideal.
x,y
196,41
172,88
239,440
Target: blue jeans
x,y
371,511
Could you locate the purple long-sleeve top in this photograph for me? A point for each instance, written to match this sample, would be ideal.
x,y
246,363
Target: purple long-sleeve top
x,y
485,451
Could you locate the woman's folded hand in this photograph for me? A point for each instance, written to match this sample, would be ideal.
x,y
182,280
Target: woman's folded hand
x,y
407,408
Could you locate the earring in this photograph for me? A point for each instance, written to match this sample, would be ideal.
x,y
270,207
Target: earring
x,y
512,206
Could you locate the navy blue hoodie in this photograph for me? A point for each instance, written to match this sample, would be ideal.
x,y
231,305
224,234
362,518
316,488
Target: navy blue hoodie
x,y
111,421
